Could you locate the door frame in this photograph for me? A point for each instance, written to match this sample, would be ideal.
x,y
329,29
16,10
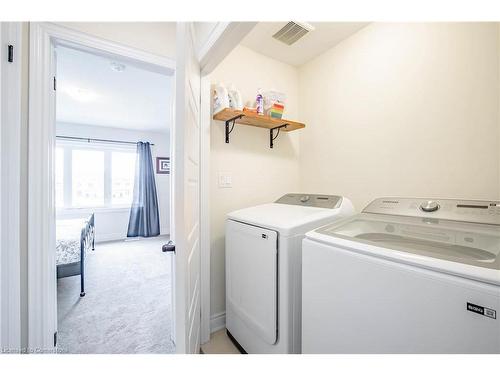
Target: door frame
x,y
225,36
42,297
10,186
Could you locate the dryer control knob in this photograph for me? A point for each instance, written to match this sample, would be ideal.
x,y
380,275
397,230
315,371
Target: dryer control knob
x,y
304,198
429,206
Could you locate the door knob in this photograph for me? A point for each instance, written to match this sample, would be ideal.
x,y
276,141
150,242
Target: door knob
x,y
168,247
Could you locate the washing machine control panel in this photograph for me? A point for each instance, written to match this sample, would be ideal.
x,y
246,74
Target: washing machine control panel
x,y
473,211
429,206
311,200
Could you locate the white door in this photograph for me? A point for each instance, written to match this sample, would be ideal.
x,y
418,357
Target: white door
x,y
186,193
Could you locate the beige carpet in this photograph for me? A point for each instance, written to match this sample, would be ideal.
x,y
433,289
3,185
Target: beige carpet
x,y
127,307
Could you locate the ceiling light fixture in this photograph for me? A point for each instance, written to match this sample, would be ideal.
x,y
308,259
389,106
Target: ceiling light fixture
x,y
117,67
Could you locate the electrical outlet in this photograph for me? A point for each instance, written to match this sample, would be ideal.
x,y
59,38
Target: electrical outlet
x,y
225,180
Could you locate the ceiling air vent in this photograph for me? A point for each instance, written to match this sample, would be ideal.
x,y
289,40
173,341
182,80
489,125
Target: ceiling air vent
x,y
292,32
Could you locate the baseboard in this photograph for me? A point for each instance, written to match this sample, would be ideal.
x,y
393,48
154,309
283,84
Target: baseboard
x,y
118,237
217,322
100,237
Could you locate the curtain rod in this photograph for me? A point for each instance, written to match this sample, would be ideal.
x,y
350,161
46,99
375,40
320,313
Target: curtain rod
x,y
97,140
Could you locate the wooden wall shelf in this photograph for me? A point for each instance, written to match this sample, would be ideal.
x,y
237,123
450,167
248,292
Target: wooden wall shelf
x,y
232,116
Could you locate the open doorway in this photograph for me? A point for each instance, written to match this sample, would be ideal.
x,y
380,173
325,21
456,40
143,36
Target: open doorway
x,y
112,200
191,295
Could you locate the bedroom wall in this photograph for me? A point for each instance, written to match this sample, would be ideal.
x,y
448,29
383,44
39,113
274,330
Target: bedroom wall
x,y
259,174
403,110
112,223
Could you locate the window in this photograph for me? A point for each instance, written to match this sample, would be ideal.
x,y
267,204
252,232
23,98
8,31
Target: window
x,y
122,177
93,176
87,186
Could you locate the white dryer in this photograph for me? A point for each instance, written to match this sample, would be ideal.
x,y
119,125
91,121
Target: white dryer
x,y
404,276
263,269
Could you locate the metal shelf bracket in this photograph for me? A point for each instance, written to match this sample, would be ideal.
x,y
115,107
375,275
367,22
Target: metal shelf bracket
x,y
228,122
273,137
273,132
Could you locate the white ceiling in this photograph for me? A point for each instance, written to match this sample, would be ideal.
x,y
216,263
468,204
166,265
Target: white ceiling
x,y
90,92
325,36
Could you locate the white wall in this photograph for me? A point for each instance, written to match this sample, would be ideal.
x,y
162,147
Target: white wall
x,y
403,110
112,223
153,37
259,174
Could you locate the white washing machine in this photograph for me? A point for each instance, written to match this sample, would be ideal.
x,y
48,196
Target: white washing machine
x,y
263,268
404,276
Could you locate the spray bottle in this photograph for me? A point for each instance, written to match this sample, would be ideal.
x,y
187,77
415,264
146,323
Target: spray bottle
x,y
259,102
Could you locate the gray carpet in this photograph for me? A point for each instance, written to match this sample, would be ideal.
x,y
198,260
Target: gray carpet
x,y
127,307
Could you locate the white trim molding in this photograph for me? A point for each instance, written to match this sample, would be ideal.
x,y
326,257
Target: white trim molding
x,y
10,183
224,37
64,36
205,122
44,37
42,297
217,322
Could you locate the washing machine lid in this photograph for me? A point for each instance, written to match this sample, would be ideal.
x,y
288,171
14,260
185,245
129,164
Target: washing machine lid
x,y
469,247
472,244
294,213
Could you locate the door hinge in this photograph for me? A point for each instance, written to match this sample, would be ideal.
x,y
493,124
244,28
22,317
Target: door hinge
x,y
55,338
10,55
55,84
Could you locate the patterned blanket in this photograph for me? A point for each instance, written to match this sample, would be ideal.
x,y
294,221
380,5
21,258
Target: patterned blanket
x,y
68,233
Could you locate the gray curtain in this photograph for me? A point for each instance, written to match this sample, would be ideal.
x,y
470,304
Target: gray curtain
x,y
144,219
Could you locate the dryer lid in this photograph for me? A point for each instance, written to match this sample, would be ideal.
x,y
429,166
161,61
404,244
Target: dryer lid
x,y
289,219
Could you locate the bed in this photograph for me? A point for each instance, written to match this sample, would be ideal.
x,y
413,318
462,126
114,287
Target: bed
x,y
74,237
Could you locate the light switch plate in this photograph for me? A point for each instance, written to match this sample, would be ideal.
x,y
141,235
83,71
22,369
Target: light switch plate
x,y
225,180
